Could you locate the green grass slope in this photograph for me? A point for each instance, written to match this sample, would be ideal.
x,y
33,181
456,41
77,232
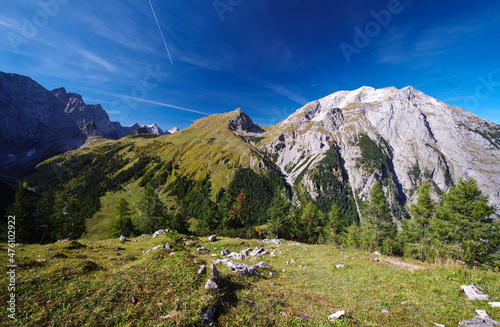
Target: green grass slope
x,y
93,286
206,147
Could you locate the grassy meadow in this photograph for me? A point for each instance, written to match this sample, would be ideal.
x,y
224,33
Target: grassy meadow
x,y
94,283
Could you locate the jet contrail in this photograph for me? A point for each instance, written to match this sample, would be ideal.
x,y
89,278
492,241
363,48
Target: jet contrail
x,y
161,33
143,100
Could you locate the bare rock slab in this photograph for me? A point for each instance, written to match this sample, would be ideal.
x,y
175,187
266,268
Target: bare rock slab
x,y
479,322
336,316
240,268
473,293
258,251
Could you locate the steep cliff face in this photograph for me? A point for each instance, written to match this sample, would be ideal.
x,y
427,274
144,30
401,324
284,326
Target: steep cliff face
x,y
36,123
401,137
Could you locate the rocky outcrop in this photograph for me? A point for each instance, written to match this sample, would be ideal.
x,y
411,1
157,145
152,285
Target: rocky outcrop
x,y
418,137
474,293
36,124
243,123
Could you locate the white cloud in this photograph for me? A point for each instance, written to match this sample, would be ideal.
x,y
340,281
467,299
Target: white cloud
x,y
98,60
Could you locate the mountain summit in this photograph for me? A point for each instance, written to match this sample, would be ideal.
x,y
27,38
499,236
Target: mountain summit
x,y
400,136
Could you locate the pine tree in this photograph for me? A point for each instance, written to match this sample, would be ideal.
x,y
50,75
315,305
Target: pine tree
x,y
75,219
23,209
294,222
58,219
353,236
180,223
208,219
417,230
467,225
237,214
311,220
378,226
278,223
122,224
153,211
336,223
47,224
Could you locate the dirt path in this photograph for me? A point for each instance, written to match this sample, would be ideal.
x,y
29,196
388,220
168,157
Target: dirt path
x,y
403,264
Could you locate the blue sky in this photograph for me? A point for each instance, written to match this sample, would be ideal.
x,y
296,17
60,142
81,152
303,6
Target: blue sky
x,y
267,57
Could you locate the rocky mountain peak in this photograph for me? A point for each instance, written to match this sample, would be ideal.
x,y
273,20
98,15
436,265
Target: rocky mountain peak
x,y
420,138
243,123
36,123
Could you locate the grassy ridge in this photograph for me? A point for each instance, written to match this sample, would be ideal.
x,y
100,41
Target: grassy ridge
x,y
93,286
207,147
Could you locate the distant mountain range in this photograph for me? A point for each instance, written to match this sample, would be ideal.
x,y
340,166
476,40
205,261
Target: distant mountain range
x,y
331,150
36,124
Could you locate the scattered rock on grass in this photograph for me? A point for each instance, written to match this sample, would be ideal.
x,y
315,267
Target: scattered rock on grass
x,y
479,322
240,268
160,232
208,316
122,238
377,253
163,246
242,255
202,269
224,252
473,293
211,284
273,241
336,316
215,273
212,238
258,251
134,300
494,304
340,266
262,265
482,313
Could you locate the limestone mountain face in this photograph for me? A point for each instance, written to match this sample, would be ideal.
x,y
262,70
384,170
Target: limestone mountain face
x,y
332,149
36,123
402,137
